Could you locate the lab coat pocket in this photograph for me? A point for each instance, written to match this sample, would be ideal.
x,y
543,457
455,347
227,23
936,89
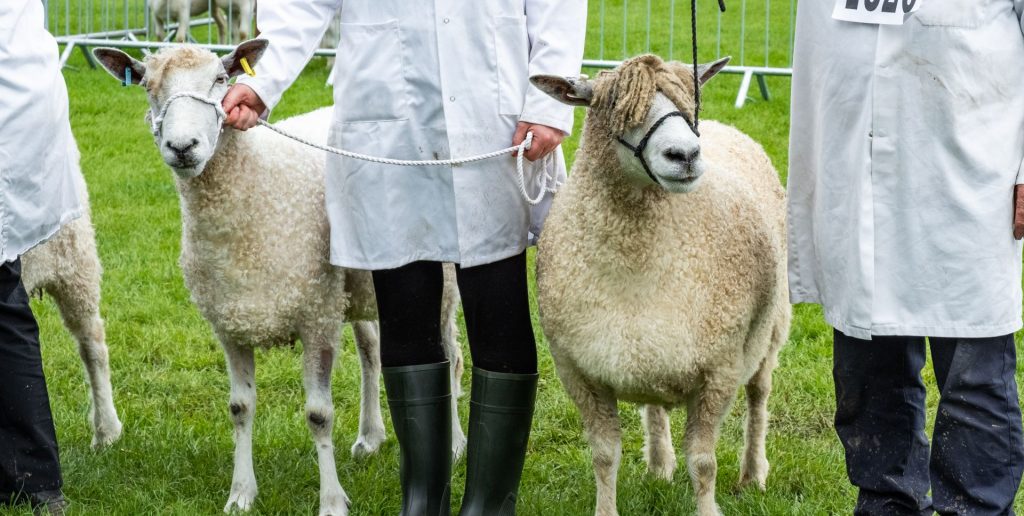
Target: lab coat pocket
x,y
950,13
369,78
512,59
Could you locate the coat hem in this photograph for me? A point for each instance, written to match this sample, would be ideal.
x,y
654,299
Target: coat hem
x,y
941,331
340,261
11,255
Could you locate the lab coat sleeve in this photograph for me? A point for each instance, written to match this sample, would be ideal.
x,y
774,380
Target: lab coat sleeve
x,y
1018,6
557,29
294,29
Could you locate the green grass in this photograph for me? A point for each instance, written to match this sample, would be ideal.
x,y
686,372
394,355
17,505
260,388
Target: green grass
x,y
171,388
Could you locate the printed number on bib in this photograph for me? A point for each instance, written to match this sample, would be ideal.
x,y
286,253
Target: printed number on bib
x,y
876,12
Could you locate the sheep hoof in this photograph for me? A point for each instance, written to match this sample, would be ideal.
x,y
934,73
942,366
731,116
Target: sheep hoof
x,y
756,475
367,445
106,434
334,504
663,471
241,500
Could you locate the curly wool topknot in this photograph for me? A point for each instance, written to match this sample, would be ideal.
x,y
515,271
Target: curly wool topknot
x,y
626,94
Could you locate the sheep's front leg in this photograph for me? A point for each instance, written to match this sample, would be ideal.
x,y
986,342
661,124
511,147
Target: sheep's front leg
x,y
704,416
600,414
184,20
754,468
658,450
319,352
371,424
242,404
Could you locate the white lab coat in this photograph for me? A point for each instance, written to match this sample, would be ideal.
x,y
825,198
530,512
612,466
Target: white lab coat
x,y
421,80
906,143
38,188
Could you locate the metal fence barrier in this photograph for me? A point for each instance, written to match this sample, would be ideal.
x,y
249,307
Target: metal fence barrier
x,y
758,34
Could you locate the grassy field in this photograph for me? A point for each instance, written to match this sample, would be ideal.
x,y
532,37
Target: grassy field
x,y
169,376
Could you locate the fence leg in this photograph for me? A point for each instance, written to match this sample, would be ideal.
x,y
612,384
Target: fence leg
x,y
66,54
763,85
88,57
741,97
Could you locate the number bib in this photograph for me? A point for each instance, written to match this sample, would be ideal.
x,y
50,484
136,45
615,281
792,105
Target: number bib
x,y
876,12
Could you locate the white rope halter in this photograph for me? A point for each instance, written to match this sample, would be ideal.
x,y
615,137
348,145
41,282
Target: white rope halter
x,y
545,182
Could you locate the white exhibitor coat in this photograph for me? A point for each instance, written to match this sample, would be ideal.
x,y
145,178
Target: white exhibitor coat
x,y
421,80
906,143
38,189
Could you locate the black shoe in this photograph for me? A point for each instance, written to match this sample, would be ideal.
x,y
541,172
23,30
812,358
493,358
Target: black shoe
x,y
500,415
419,398
48,503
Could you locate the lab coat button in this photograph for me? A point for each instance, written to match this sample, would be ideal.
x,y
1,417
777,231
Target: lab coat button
x,y
446,20
452,98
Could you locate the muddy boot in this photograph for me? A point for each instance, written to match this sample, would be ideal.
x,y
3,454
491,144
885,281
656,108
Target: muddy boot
x,y
500,414
419,398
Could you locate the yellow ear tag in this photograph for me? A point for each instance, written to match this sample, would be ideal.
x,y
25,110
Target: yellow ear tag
x,y
248,69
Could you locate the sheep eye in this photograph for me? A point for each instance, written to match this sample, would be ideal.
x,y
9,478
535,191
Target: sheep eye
x,y
222,79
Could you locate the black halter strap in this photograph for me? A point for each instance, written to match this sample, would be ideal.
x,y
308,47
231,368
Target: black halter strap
x,y
638,149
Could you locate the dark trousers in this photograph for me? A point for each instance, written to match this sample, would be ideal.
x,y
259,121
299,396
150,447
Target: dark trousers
x,y
495,302
28,443
976,456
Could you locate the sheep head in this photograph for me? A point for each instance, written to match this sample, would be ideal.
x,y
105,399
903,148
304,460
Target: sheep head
x,y
644,108
188,134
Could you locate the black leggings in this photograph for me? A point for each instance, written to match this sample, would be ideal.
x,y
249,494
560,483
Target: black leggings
x,y
495,302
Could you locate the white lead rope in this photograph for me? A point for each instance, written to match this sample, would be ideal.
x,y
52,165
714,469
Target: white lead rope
x,y
546,182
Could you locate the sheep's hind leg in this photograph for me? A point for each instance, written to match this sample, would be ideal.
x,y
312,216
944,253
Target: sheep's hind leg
x,y
658,450
371,424
704,416
318,355
79,307
450,341
242,374
600,415
754,468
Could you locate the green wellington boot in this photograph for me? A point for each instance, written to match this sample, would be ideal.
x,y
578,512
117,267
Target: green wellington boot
x,y
500,414
419,398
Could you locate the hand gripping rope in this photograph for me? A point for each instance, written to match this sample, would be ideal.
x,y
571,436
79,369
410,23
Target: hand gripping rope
x,y
546,182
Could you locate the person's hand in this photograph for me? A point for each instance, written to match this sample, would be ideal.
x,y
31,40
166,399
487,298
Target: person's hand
x,y
1018,212
243,107
545,139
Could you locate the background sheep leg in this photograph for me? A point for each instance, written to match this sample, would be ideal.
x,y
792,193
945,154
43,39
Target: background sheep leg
x,y
222,24
371,424
658,450
754,468
452,350
184,19
600,414
704,416
243,21
242,404
318,354
79,307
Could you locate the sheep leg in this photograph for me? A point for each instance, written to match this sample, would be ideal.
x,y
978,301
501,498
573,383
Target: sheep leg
x,y
658,450
371,424
79,307
184,19
704,416
244,21
754,468
242,404
222,23
600,414
450,341
319,353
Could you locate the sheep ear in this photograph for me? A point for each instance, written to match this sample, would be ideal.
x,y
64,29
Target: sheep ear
x,y
117,62
568,90
251,50
708,70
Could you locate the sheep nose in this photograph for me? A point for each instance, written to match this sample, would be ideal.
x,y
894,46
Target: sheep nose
x,y
682,156
182,148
